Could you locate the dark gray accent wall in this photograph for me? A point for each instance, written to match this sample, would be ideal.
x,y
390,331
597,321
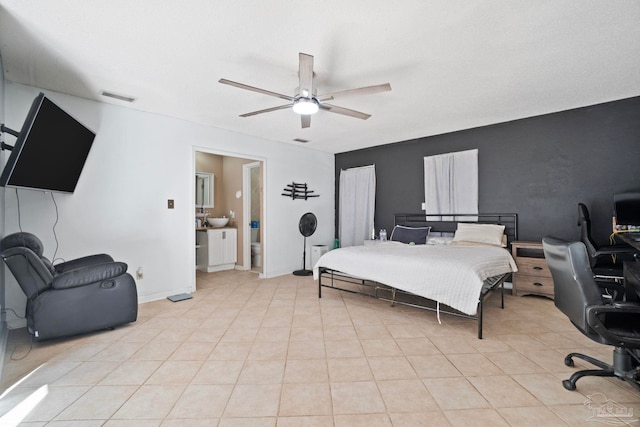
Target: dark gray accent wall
x,y
540,168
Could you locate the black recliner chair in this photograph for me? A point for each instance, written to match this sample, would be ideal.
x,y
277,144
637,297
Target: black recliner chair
x,y
74,297
577,295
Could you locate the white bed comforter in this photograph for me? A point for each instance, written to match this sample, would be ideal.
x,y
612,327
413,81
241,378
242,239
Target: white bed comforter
x,y
450,274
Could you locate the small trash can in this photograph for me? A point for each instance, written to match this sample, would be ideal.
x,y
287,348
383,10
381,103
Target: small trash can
x,y
316,252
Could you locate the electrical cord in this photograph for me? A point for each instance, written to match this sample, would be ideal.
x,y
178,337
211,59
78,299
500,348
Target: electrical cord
x,y
6,309
612,239
55,236
15,349
612,236
15,346
18,205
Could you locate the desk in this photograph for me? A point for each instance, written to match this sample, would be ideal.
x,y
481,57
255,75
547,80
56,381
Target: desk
x,y
631,269
632,280
631,239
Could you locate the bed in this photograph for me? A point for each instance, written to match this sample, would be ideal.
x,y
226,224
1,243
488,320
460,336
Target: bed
x,y
461,260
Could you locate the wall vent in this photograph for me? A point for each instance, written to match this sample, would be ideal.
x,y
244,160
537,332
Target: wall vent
x,y
119,97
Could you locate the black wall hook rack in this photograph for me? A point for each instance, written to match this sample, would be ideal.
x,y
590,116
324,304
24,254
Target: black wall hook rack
x,y
298,191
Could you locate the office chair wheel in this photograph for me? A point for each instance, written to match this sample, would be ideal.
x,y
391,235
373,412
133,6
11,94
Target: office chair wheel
x,y
568,384
568,361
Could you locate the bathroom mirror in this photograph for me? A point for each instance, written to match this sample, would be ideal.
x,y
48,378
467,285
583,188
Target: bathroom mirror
x,y
204,190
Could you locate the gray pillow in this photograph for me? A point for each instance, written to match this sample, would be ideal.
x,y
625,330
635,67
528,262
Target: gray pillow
x,y
415,235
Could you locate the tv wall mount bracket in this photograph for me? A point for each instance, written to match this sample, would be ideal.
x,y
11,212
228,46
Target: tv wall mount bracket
x,y
4,129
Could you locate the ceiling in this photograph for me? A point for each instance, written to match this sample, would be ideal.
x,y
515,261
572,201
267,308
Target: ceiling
x,y
452,64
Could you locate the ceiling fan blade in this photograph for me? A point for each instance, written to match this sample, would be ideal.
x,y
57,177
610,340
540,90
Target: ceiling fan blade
x,y
255,89
306,120
266,110
305,72
345,111
367,90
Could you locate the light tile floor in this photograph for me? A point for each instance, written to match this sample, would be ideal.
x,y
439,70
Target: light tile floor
x,y
251,352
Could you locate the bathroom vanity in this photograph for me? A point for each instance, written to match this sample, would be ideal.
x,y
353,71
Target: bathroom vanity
x,y
216,249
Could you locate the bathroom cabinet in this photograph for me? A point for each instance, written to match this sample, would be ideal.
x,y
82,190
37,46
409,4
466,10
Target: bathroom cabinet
x,y
216,249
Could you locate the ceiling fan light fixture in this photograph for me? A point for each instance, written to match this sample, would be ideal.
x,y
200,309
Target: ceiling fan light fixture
x,y
305,100
305,106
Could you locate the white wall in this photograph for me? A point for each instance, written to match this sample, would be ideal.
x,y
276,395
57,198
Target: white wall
x,y
138,161
3,156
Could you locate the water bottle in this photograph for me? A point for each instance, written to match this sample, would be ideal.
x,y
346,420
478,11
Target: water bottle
x,y
383,234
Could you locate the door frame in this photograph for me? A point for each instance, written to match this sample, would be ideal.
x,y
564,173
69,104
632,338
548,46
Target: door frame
x,y
192,198
246,214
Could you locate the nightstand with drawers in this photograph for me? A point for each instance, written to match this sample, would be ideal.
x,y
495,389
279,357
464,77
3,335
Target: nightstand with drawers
x,y
533,276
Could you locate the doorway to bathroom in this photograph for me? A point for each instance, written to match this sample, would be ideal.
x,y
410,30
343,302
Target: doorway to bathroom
x,y
252,183
236,194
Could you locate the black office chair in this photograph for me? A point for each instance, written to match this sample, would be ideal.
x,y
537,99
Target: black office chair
x,y
601,257
577,295
605,261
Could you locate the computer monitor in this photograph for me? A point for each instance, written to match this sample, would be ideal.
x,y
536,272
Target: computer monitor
x,y
627,210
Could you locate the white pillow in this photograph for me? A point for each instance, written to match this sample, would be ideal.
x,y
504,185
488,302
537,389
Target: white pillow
x,y
488,234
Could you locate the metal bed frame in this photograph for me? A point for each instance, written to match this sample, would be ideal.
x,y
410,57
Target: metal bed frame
x,y
443,223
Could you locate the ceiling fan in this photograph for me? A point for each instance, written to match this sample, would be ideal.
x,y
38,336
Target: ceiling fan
x,y
306,102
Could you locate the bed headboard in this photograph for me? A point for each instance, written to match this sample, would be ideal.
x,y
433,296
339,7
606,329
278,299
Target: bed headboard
x,y
449,223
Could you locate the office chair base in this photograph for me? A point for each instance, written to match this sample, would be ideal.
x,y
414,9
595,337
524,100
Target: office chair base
x,y
625,367
570,384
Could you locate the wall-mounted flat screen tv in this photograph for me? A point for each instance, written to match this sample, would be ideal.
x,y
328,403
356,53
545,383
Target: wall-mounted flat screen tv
x,y
50,150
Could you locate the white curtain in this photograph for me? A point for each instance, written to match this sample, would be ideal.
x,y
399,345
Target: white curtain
x,y
451,183
357,205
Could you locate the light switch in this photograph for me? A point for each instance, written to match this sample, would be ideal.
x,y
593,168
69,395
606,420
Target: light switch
x,y
170,203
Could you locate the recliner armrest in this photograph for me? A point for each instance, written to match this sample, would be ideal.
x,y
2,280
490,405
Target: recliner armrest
x,y
82,262
88,275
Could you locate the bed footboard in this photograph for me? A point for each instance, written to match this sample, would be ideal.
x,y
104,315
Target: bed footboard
x,y
343,282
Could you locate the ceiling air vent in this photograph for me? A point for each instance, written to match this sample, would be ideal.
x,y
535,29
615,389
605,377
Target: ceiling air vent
x,y
119,97
304,141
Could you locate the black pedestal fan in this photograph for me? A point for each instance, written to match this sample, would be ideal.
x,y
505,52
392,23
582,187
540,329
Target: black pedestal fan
x,y
307,226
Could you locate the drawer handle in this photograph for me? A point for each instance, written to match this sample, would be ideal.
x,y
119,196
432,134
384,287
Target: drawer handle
x,y
538,268
537,284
